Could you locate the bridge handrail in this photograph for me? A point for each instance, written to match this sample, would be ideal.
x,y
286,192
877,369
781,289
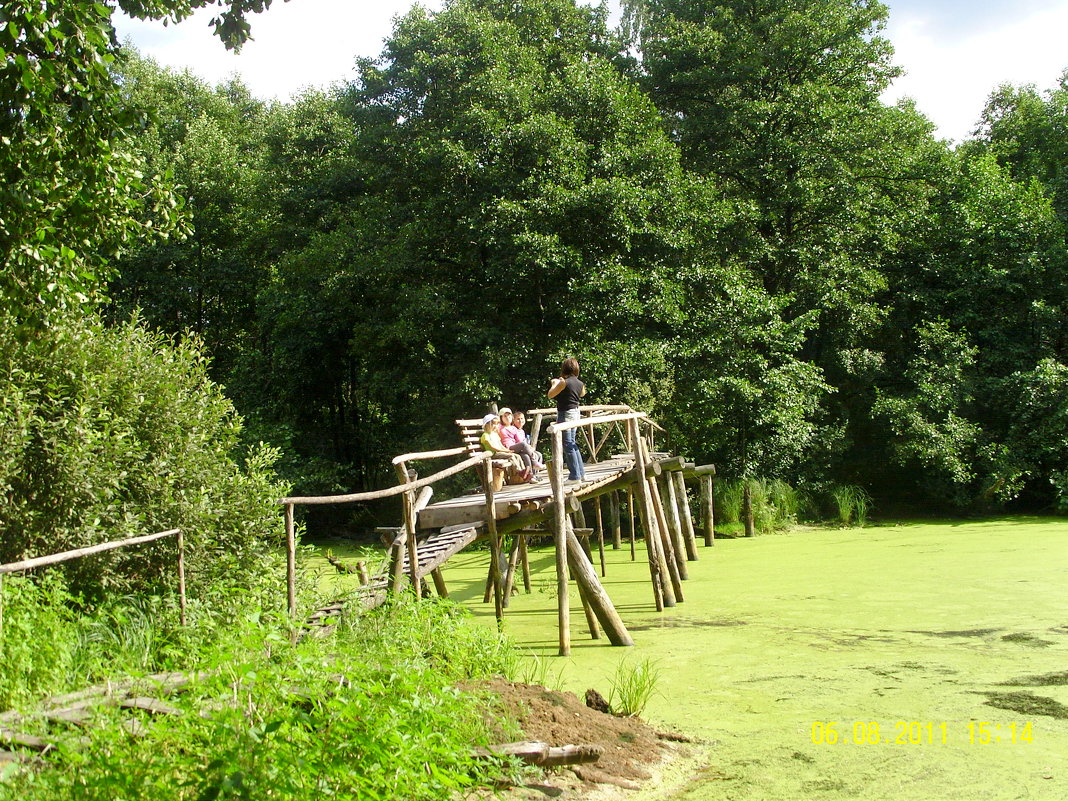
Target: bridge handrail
x,y
389,492
608,418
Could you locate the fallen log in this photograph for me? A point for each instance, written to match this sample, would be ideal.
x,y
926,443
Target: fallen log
x,y
542,754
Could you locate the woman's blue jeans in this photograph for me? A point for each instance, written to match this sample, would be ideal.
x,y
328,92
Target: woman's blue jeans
x,y
572,458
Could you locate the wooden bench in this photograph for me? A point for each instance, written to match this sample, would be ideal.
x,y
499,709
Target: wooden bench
x,y
470,434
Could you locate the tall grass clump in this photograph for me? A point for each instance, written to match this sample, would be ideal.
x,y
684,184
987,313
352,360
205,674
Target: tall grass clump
x,y
729,500
851,505
633,686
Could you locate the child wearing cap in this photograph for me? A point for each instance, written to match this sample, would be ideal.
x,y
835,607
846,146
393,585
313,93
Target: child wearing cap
x,y
513,438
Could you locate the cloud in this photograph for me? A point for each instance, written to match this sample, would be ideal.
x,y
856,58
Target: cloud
x,y
951,77
295,44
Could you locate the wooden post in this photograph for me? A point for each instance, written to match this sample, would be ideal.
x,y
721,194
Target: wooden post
x,y
181,577
591,618
747,508
361,571
708,507
396,564
525,560
556,477
580,516
671,511
495,547
600,532
439,583
536,430
617,527
660,586
408,505
669,564
509,576
597,598
630,515
291,561
687,516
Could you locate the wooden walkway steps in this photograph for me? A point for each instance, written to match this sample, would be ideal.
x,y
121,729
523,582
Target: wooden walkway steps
x,y
434,551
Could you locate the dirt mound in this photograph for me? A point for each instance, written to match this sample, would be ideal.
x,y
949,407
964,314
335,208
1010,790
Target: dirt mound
x,y
628,745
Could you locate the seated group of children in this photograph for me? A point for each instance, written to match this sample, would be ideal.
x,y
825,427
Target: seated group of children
x,y
503,433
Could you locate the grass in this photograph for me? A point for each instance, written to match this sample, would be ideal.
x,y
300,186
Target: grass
x,y
372,712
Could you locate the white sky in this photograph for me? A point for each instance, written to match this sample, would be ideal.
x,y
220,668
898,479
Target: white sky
x,y
955,52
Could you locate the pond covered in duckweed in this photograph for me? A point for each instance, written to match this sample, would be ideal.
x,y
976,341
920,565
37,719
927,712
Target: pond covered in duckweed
x,y
932,654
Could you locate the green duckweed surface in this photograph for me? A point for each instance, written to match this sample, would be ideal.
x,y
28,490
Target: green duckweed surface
x,y
922,629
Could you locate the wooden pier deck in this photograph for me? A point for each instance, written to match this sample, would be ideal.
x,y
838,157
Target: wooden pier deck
x,y
526,502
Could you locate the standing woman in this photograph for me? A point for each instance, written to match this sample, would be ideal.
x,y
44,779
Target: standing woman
x,y
567,390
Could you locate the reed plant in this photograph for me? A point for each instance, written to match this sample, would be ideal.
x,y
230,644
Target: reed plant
x,y
851,504
633,686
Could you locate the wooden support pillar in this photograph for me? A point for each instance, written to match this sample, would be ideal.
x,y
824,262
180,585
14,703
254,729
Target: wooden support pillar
x,y
396,564
709,509
556,477
408,500
617,527
687,516
662,594
513,561
630,515
525,560
674,520
596,597
600,532
439,583
667,552
583,536
291,562
580,516
495,543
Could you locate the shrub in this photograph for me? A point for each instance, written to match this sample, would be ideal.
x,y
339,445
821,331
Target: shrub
x,y
109,433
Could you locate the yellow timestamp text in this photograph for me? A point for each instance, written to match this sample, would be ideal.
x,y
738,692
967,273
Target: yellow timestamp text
x,y
919,732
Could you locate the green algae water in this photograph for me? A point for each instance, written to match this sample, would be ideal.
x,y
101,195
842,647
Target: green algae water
x,y
934,655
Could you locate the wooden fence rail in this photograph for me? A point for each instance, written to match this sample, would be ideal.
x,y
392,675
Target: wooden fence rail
x,y
77,553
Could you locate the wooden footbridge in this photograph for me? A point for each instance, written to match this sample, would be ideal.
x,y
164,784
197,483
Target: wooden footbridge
x,y
653,483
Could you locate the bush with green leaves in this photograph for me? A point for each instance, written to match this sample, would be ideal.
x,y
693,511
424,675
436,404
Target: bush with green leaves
x,y
107,433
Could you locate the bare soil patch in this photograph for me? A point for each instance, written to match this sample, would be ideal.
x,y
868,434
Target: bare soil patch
x,y
630,748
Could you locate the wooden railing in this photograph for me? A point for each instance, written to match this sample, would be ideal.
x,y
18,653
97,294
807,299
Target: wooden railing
x,y
407,488
590,415
77,553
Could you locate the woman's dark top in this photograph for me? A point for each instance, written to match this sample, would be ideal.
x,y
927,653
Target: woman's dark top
x,y
570,395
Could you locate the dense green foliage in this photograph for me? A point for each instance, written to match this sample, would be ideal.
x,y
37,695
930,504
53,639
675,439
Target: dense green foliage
x,y
106,431
280,720
123,433
733,233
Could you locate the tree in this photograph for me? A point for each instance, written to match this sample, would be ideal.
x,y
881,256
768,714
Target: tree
x,y
513,197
